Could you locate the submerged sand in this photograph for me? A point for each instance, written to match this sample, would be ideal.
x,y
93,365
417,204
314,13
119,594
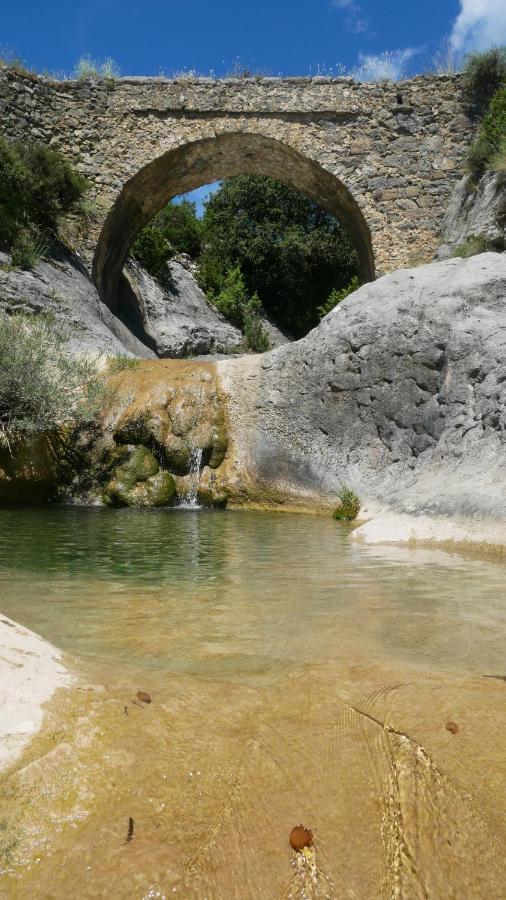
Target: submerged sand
x,y
195,794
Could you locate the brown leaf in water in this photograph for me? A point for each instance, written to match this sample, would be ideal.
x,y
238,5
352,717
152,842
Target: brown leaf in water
x,y
143,697
300,837
130,833
452,726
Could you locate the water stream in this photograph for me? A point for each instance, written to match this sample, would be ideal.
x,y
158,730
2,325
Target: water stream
x,y
190,501
295,677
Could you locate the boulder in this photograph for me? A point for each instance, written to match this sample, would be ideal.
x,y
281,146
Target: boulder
x,y
399,394
176,315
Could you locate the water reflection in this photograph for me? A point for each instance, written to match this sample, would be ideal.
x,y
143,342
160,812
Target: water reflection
x,y
241,592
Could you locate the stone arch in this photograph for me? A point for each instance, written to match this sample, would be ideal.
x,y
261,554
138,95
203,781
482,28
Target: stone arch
x,y
192,164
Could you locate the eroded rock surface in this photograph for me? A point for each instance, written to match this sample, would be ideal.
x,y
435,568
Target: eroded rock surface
x,y
177,316
476,211
400,393
60,285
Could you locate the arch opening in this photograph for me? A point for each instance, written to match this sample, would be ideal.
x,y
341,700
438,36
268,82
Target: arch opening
x,y
193,164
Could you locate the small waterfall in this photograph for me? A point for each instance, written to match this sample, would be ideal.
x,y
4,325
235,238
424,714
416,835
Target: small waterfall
x,y
190,501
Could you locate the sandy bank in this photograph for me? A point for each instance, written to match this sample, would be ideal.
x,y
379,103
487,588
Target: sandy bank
x,y
31,670
482,534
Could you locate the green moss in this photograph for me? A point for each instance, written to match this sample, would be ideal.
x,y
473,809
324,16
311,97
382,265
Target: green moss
x,y
471,247
213,497
159,490
140,466
349,506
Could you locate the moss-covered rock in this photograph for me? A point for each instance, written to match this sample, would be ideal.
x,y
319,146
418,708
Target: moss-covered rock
x,y
216,498
138,481
159,490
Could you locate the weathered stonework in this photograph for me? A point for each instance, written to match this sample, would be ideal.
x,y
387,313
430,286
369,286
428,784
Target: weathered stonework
x,y
382,157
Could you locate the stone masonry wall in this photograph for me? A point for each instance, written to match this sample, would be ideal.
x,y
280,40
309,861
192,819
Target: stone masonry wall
x,y
397,148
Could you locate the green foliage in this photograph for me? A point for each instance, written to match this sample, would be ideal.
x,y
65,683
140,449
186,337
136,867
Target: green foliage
x,y
349,505
491,136
121,363
290,251
498,160
42,386
335,297
175,229
471,247
485,74
87,68
241,310
37,186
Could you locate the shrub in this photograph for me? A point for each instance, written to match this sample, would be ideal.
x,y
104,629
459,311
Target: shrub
x,y
175,229
335,297
241,310
491,136
471,247
349,505
485,74
121,363
42,386
37,187
87,68
498,160
253,328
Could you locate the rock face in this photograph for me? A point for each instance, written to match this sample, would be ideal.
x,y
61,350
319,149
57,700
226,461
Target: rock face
x,y
400,394
177,318
61,286
476,211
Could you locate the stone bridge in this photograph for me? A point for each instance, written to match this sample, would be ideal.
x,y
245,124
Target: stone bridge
x,y
383,158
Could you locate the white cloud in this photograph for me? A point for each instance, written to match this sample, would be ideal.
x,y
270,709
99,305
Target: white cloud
x,y
387,66
480,24
355,18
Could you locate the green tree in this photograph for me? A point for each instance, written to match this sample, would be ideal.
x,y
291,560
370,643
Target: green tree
x,y
175,229
290,251
37,187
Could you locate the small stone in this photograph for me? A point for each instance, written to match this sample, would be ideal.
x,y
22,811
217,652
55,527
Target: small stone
x,y
452,726
300,837
143,697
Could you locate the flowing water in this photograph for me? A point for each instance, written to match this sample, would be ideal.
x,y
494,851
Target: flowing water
x,y
295,676
191,499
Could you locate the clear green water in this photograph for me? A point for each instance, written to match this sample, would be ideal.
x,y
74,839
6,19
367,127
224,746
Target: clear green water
x,y
240,593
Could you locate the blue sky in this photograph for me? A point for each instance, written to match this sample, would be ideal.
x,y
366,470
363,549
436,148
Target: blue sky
x,y
272,36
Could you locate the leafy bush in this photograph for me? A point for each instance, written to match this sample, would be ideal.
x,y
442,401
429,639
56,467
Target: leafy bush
x,y
241,310
491,136
335,297
37,186
175,229
485,74
42,386
121,363
349,505
471,247
498,160
290,251
87,68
